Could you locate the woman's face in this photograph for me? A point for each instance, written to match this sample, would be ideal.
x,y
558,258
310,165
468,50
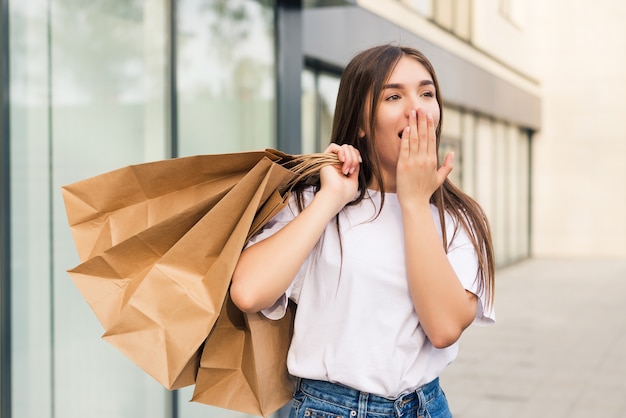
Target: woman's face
x,y
410,87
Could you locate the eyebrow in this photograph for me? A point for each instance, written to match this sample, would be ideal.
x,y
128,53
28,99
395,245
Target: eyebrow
x,y
399,86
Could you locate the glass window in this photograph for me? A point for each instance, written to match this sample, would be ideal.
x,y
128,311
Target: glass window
x,y
328,88
88,96
500,166
225,71
519,157
108,109
309,120
451,142
511,191
90,83
500,195
468,165
226,95
30,217
483,158
319,96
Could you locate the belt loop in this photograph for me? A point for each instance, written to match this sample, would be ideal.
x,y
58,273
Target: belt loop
x,y
422,400
363,398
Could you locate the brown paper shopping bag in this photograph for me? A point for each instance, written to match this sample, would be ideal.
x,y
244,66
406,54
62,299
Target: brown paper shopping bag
x,y
162,290
158,243
243,363
107,209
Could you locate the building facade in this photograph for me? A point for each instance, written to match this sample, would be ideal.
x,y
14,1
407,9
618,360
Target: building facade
x,y
88,86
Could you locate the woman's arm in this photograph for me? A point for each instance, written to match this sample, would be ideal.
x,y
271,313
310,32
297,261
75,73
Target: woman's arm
x,y
442,304
444,307
266,269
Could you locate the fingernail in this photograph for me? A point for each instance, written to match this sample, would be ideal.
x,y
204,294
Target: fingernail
x,y
413,113
430,116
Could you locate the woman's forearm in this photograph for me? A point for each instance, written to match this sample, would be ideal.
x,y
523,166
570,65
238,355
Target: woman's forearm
x,y
266,269
443,306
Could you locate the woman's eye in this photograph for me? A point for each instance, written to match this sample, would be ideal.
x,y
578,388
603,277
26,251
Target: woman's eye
x,y
393,97
428,94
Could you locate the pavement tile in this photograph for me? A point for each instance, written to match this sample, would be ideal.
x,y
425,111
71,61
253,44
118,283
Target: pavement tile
x,y
558,348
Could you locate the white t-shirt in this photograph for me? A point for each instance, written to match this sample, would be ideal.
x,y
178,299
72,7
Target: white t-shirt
x,y
355,321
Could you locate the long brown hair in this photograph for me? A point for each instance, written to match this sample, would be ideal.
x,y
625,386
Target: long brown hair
x,y
359,92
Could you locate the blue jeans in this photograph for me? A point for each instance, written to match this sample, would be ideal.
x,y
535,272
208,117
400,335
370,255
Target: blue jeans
x,y
319,399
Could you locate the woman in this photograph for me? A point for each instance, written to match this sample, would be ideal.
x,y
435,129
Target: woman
x,y
387,261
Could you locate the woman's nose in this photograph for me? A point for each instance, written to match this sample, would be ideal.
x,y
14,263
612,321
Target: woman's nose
x,y
412,103
413,107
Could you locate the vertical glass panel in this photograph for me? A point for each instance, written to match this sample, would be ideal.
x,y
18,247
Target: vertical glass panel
x,y
30,217
452,122
468,165
226,94
309,112
451,142
523,188
319,96
501,178
108,106
484,165
512,191
328,88
225,71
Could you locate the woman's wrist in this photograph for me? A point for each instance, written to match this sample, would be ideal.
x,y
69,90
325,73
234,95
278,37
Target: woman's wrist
x,y
328,202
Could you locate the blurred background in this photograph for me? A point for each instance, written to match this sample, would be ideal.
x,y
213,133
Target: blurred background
x,y
535,110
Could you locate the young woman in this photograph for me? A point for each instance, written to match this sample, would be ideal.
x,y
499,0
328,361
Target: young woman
x,y
387,261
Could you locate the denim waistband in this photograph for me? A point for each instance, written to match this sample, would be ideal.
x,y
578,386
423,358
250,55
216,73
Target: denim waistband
x,y
352,398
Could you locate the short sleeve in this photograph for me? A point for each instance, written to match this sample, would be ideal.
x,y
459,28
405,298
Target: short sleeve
x,y
282,218
464,260
274,225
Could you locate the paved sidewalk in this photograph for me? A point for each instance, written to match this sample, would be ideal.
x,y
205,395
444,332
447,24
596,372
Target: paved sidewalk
x,y
558,349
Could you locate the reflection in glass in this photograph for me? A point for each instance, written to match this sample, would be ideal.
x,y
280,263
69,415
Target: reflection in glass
x,y
108,72
309,101
30,217
328,85
319,95
226,86
88,95
226,95
451,135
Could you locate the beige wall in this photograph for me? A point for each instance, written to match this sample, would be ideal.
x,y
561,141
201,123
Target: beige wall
x,y
503,33
579,185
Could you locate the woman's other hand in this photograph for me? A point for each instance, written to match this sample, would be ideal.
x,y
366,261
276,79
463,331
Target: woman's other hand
x,y
417,174
341,182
